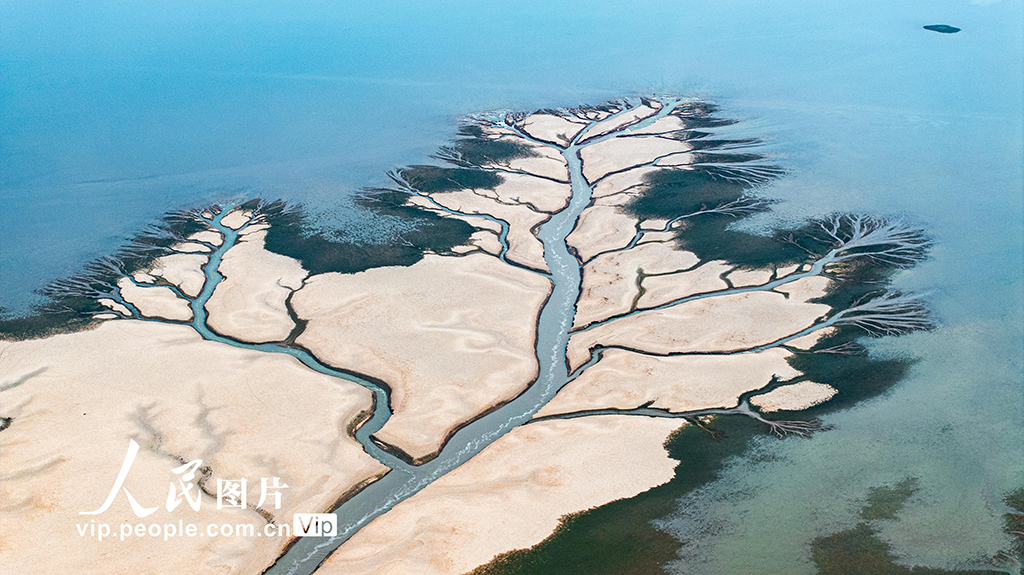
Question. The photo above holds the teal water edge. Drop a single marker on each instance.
(110, 118)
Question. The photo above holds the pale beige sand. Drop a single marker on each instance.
(662, 126)
(182, 270)
(546, 162)
(246, 414)
(808, 341)
(236, 218)
(453, 336)
(629, 182)
(211, 237)
(143, 277)
(487, 241)
(524, 247)
(551, 128)
(656, 224)
(107, 302)
(794, 397)
(106, 316)
(191, 247)
(663, 289)
(610, 281)
(620, 153)
(721, 323)
(156, 301)
(511, 496)
(623, 120)
(601, 228)
(249, 304)
(627, 380)
(545, 195)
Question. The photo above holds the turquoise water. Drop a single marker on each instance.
(111, 114)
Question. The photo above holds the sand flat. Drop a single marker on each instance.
(721, 323)
(601, 228)
(624, 119)
(546, 162)
(511, 496)
(543, 194)
(627, 380)
(610, 281)
(794, 397)
(236, 218)
(249, 304)
(246, 414)
(453, 336)
(616, 154)
(523, 246)
(182, 270)
(157, 301)
(552, 128)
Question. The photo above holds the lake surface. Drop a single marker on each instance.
(111, 115)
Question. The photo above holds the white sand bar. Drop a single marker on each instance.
(245, 414)
(552, 128)
(616, 154)
(721, 323)
(795, 397)
(236, 218)
(511, 496)
(156, 301)
(451, 336)
(250, 303)
(601, 228)
(610, 281)
(182, 270)
(626, 380)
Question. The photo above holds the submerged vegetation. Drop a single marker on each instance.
(860, 551)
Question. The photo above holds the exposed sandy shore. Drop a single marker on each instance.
(107, 302)
(610, 281)
(626, 380)
(616, 154)
(211, 237)
(546, 162)
(246, 414)
(794, 397)
(249, 304)
(182, 270)
(511, 496)
(551, 128)
(236, 218)
(156, 301)
(720, 323)
(545, 195)
(524, 247)
(624, 119)
(601, 228)
(452, 336)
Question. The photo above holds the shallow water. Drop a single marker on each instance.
(108, 118)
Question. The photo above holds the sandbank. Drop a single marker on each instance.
(453, 336)
(794, 397)
(617, 154)
(155, 301)
(246, 414)
(627, 380)
(721, 323)
(249, 304)
(511, 496)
